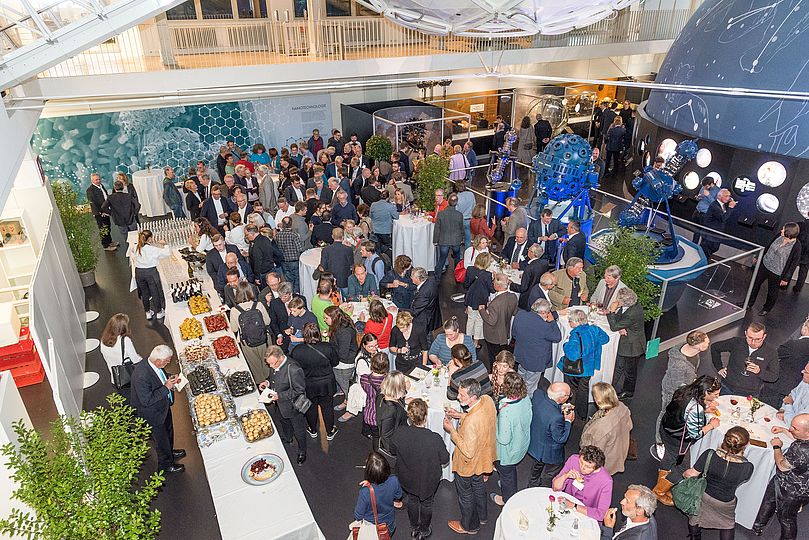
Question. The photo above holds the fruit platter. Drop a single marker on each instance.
(215, 323)
(209, 410)
(190, 328)
(196, 352)
(262, 469)
(201, 380)
(199, 305)
(240, 383)
(225, 347)
(256, 425)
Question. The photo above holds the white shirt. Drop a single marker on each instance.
(800, 402)
(150, 255)
(235, 237)
(242, 213)
(204, 243)
(468, 260)
(628, 525)
(280, 215)
(102, 189)
(112, 355)
(217, 203)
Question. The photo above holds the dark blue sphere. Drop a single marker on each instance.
(565, 168)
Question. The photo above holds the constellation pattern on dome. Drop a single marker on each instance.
(788, 117)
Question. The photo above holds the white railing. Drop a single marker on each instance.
(167, 45)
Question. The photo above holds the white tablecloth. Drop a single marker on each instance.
(750, 493)
(437, 396)
(609, 352)
(275, 510)
(360, 308)
(149, 185)
(533, 503)
(514, 275)
(414, 237)
(309, 261)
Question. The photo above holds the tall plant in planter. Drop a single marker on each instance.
(82, 482)
(633, 254)
(80, 227)
(379, 148)
(434, 174)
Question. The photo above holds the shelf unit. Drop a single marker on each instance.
(17, 264)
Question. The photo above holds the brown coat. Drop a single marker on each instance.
(610, 433)
(476, 440)
(564, 286)
(497, 318)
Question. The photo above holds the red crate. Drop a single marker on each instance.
(22, 352)
(33, 373)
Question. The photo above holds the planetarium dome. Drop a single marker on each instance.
(756, 44)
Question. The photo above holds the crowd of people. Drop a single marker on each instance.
(253, 232)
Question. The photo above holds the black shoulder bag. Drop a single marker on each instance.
(574, 367)
(122, 374)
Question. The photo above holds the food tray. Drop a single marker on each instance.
(240, 383)
(273, 460)
(201, 380)
(190, 328)
(196, 352)
(250, 433)
(215, 323)
(225, 347)
(199, 305)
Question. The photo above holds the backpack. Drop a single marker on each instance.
(251, 326)
(385, 260)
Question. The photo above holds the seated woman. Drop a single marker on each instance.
(441, 349)
(480, 244)
(462, 367)
(585, 478)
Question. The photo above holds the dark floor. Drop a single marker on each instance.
(330, 476)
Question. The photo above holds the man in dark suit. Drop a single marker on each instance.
(97, 195)
(243, 208)
(193, 199)
(637, 515)
(750, 363)
(204, 186)
(287, 382)
(715, 219)
(279, 314)
(543, 132)
(322, 232)
(547, 282)
(216, 257)
(550, 429)
(534, 268)
(420, 456)
(295, 192)
(425, 308)
(217, 208)
(339, 260)
(232, 262)
(123, 208)
(323, 191)
(516, 249)
(260, 255)
(534, 333)
(448, 234)
(152, 398)
(792, 357)
(359, 183)
(576, 243)
(625, 316)
(545, 231)
(365, 161)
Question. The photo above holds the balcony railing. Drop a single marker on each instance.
(168, 45)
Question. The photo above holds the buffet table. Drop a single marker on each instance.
(749, 494)
(413, 236)
(530, 505)
(609, 352)
(279, 507)
(149, 185)
(436, 397)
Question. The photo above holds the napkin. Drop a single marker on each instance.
(181, 382)
(264, 396)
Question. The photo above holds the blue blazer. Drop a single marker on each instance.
(535, 231)
(208, 211)
(222, 279)
(549, 430)
(534, 338)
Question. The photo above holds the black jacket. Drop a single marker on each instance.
(420, 455)
(221, 278)
(289, 372)
(279, 320)
(96, 198)
(765, 357)
(390, 416)
(631, 320)
(317, 361)
(192, 203)
(530, 277)
(123, 208)
(479, 286)
(542, 130)
(448, 229)
(208, 211)
(803, 238)
(647, 531)
(508, 251)
(715, 218)
(213, 260)
(322, 233)
(339, 260)
(575, 247)
(425, 308)
(792, 357)
(345, 344)
(261, 256)
(535, 231)
(150, 397)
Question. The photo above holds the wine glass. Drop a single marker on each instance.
(747, 362)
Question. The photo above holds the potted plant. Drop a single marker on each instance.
(433, 174)
(81, 231)
(378, 148)
(633, 254)
(82, 482)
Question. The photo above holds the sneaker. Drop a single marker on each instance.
(657, 451)
(311, 433)
(149, 315)
(111, 248)
(161, 314)
(331, 434)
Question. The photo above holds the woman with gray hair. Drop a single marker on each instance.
(625, 316)
(585, 343)
(608, 286)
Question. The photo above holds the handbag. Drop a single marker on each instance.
(362, 530)
(122, 375)
(460, 269)
(687, 493)
(574, 367)
(301, 403)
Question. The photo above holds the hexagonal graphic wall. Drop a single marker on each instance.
(71, 147)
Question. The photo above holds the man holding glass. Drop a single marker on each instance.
(750, 362)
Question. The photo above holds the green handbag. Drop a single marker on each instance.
(687, 493)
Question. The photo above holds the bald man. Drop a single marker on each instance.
(550, 429)
(232, 262)
(516, 249)
(715, 219)
(792, 478)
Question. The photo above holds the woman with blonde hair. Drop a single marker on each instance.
(408, 342)
(117, 346)
(480, 244)
(480, 284)
(148, 253)
(128, 187)
(391, 411)
(609, 427)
